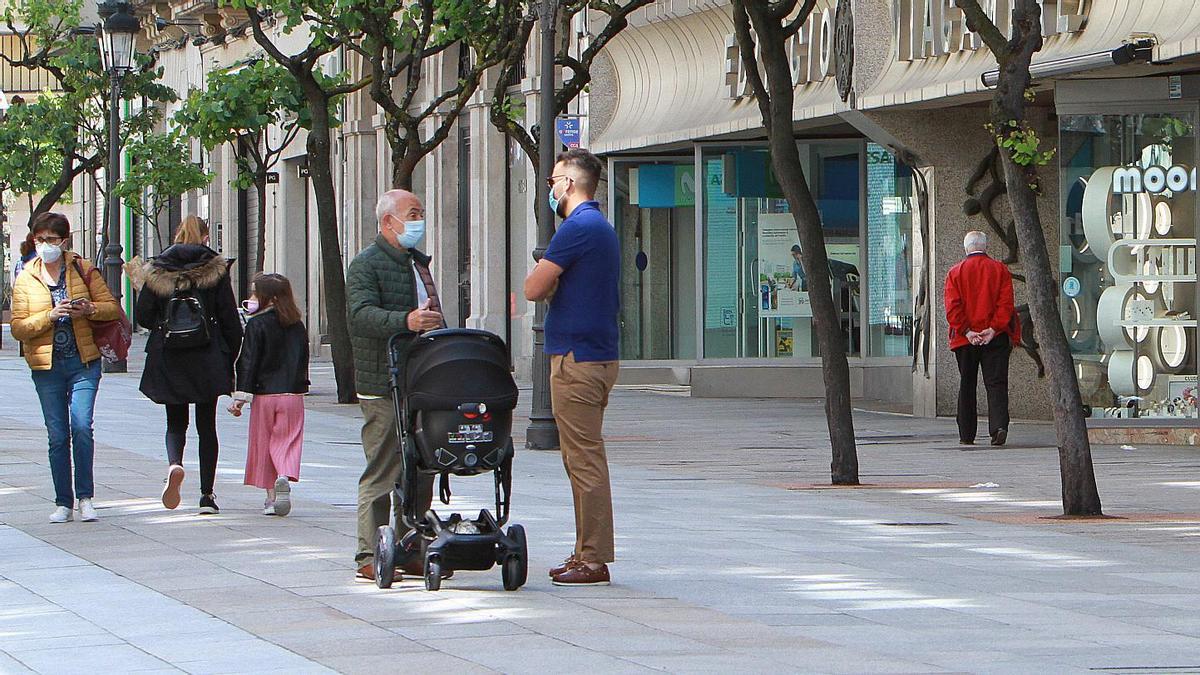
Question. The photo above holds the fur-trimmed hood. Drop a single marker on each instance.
(185, 266)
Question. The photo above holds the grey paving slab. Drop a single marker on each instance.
(374, 663)
(122, 658)
(84, 618)
(721, 566)
(10, 665)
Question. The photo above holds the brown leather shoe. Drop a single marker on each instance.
(581, 575)
(366, 575)
(563, 566)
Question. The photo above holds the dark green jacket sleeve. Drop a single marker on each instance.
(367, 315)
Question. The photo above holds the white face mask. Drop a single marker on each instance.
(49, 253)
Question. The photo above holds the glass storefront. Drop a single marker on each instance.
(892, 213)
(1127, 258)
(655, 218)
(711, 261)
(755, 285)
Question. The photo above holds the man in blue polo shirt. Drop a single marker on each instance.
(579, 274)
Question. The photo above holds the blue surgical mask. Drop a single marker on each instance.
(413, 235)
(554, 201)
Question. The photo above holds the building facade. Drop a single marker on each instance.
(901, 166)
(890, 121)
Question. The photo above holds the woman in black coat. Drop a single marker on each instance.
(176, 377)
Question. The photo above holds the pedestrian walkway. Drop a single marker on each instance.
(731, 559)
(55, 619)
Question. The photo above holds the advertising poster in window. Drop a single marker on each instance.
(721, 252)
(782, 286)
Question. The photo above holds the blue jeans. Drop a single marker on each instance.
(68, 395)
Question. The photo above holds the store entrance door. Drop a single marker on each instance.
(655, 218)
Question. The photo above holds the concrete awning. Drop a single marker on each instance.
(671, 86)
(671, 71)
(1175, 24)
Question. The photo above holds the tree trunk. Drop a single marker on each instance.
(404, 165)
(55, 193)
(835, 369)
(1080, 496)
(260, 253)
(320, 166)
(785, 157)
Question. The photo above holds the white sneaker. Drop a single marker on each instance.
(61, 514)
(283, 496)
(87, 511)
(170, 493)
(269, 509)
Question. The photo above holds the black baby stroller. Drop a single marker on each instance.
(454, 398)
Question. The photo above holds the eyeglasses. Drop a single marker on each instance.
(53, 241)
(553, 180)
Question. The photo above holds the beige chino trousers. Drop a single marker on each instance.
(579, 394)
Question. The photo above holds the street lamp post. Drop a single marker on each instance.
(543, 431)
(4, 282)
(117, 37)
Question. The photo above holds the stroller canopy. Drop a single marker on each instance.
(446, 368)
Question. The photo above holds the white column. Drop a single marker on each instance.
(489, 292)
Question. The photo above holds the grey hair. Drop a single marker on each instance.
(389, 202)
(975, 241)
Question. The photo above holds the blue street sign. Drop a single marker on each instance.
(569, 130)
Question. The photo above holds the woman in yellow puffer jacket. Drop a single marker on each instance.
(54, 302)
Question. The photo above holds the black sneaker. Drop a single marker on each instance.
(1000, 438)
(208, 506)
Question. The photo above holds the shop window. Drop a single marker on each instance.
(1127, 258)
(755, 286)
(891, 209)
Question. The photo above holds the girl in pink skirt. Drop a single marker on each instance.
(272, 374)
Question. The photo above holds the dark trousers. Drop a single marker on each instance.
(206, 429)
(992, 359)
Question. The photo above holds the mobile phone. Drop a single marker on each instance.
(78, 301)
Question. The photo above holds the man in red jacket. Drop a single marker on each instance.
(983, 331)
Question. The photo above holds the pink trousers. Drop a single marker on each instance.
(276, 439)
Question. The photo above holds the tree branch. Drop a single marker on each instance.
(779, 10)
(349, 87)
(979, 23)
(747, 48)
(797, 23)
(265, 42)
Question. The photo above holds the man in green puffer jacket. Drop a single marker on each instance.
(390, 292)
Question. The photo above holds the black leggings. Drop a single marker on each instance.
(206, 428)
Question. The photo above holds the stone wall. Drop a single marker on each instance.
(949, 144)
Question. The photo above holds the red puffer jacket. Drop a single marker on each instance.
(979, 295)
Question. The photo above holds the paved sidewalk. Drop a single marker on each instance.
(729, 559)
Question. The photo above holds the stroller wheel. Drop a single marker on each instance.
(385, 556)
(433, 574)
(516, 564)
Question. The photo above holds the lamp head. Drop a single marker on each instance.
(117, 37)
